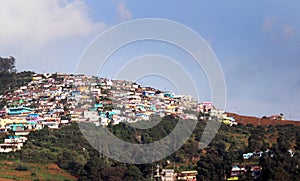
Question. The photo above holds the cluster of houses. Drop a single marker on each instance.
(12, 143)
(275, 117)
(54, 100)
(254, 170)
(248, 166)
(171, 175)
(239, 170)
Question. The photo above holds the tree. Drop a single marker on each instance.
(70, 160)
(33, 175)
(7, 64)
(93, 169)
(210, 167)
(133, 173)
(280, 174)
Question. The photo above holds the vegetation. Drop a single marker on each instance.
(17, 170)
(68, 149)
(9, 78)
(7, 64)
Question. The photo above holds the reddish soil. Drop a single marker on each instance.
(18, 174)
(260, 121)
(54, 169)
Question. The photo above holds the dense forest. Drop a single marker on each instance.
(68, 148)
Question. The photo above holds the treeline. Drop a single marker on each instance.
(7, 65)
(10, 79)
(68, 148)
(231, 143)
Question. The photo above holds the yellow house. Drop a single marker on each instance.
(4, 122)
(233, 178)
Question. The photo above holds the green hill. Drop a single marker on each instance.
(68, 149)
(12, 80)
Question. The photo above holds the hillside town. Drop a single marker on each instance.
(57, 100)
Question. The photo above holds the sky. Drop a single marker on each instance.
(256, 42)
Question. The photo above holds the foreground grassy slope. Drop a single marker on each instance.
(32, 171)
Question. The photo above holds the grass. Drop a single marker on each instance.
(48, 176)
(8, 177)
(42, 172)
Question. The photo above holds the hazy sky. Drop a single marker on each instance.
(256, 42)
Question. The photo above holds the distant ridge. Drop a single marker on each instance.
(244, 120)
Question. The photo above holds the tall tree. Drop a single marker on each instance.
(7, 64)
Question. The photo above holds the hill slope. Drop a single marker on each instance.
(68, 149)
(261, 121)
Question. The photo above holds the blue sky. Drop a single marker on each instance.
(256, 42)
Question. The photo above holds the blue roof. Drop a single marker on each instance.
(18, 110)
(33, 115)
(31, 122)
(98, 105)
(13, 136)
(15, 125)
(140, 114)
(93, 109)
(112, 113)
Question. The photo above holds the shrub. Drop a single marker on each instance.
(21, 168)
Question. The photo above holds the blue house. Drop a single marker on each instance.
(17, 127)
(168, 94)
(74, 93)
(98, 105)
(19, 110)
(149, 93)
(247, 156)
(33, 115)
(153, 107)
(13, 136)
(108, 114)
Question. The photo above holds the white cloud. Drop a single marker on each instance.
(35, 23)
(46, 35)
(123, 12)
